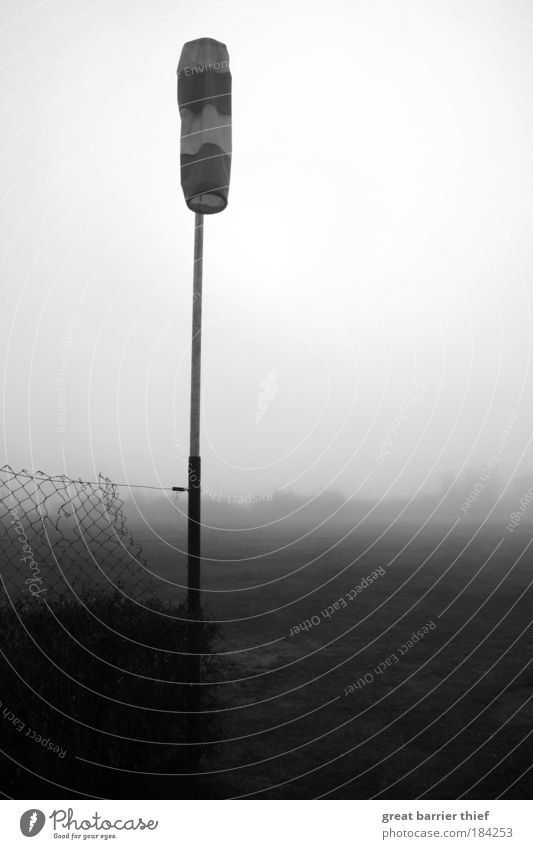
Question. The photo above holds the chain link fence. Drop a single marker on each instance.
(61, 534)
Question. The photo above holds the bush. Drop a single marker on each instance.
(104, 682)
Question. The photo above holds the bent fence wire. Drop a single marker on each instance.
(59, 533)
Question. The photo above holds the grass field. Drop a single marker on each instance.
(450, 717)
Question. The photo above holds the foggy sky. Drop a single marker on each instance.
(367, 286)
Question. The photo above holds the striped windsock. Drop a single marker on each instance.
(204, 99)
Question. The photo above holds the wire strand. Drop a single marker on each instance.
(38, 475)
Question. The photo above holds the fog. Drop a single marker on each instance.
(367, 315)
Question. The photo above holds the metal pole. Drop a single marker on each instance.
(193, 527)
(193, 583)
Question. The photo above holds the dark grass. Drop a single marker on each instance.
(450, 720)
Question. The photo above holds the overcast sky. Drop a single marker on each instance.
(369, 284)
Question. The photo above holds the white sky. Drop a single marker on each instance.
(378, 238)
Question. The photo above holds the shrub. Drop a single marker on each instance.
(106, 682)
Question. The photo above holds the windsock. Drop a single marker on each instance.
(204, 100)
